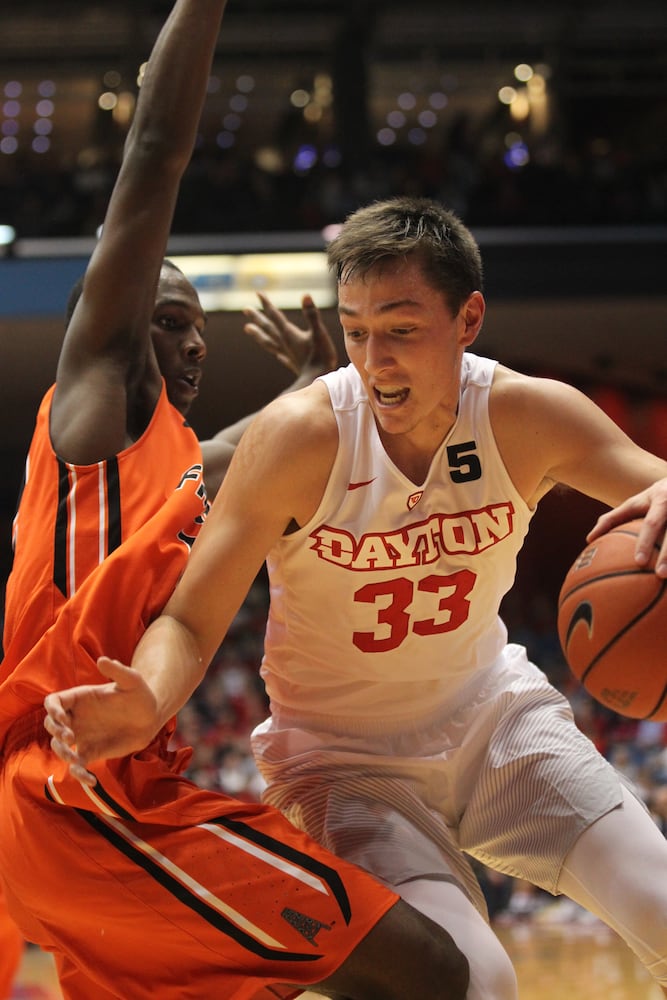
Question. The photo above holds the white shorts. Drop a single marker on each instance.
(504, 775)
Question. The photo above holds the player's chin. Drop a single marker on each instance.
(396, 418)
(181, 394)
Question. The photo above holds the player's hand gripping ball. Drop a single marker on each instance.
(612, 625)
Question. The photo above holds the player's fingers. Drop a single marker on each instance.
(259, 319)
(277, 351)
(65, 751)
(58, 730)
(310, 311)
(651, 537)
(273, 344)
(271, 312)
(661, 564)
(266, 338)
(252, 319)
(313, 317)
(324, 349)
(285, 360)
(627, 511)
(123, 677)
(83, 775)
(257, 323)
(56, 711)
(315, 321)
(70, 754)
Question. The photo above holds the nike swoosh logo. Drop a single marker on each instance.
(356, 486)
(582, 613)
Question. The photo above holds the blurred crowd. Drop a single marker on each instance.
(475, 170)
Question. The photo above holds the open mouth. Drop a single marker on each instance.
(391, 397)
(191, 379)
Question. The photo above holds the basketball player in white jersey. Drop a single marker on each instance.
(391, 499)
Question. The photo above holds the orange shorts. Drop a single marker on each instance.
(149, 886)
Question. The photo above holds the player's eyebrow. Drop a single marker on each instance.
(383, 307)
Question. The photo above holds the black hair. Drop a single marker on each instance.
(77, 289)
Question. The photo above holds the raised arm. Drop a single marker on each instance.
(107, 368)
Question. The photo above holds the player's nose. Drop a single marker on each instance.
(378, 356)
(194, 345)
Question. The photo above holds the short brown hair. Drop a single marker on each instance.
(404, 226)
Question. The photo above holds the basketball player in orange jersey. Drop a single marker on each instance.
(147, 885)
(390, 499)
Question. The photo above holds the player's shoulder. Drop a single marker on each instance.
(515, 385)
(306, 412)
(291, 443)
(525, 400)
(297, 425)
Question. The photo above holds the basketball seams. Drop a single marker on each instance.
(610, 575)
(622, 632)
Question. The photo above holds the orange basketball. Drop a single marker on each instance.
(612, 625)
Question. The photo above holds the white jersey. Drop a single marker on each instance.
(386, 603)
(404, 729)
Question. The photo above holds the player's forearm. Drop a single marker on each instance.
(174, 84)
(170, 662)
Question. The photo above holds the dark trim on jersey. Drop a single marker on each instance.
(328, 875)
(187, 897)
(114, 525)
(115, 807)
(114, 528)
(60, 533)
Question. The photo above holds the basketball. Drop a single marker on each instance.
(612, 626)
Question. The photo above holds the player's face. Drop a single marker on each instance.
(177, 328)
(406, 344)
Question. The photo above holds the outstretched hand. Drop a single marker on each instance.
(294, 347)
(651, 506)
(101, 721)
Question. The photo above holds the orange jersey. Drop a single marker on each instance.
(71, 519)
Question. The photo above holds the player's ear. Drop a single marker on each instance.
(472, 315)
